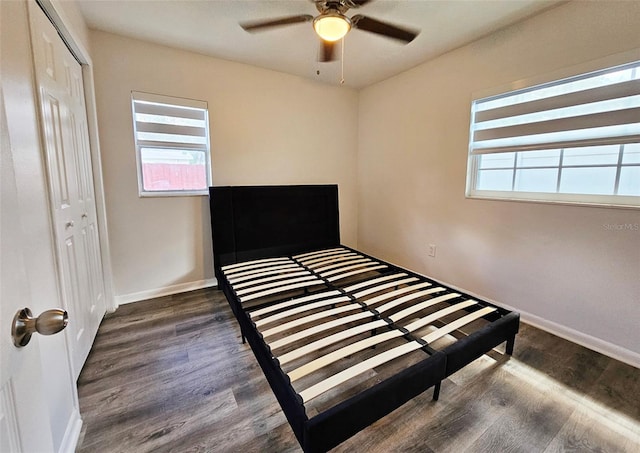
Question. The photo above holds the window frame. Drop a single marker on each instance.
(615, 201)
(205, 148)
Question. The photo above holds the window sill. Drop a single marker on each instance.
(566, 200)
(160, 194)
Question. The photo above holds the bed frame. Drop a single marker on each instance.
(375, 334)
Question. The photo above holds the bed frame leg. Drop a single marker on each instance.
(510, 344)
(436, 391)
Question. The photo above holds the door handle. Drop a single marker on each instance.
(24, 324)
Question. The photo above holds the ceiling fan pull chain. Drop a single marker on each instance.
(342, 63)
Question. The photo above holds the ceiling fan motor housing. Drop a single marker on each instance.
(341, 6)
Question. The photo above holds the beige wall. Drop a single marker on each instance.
(266, 128)
(559, 265)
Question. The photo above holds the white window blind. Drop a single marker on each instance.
(577, 136)
(595, 109)
(172, 144)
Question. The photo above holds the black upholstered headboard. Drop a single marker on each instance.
(252, 222)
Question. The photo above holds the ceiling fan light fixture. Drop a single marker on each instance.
(332, 26)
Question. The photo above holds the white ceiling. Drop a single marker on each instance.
(211, 27)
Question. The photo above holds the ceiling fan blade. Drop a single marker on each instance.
(327, 50)
(289, 20)
(382, 28)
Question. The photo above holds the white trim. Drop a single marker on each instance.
(567, 199)
(59, 20)
(596, 344)
(72, 434)
(9, 416)
(165, 291)
(164, 99)
(98, 185)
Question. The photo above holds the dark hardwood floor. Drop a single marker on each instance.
(171, 375)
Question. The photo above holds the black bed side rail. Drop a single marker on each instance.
(280, 383)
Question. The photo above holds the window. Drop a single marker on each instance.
(574, 140)
(172, 145)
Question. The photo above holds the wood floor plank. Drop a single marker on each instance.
(587, 432)
(532, 408)
(171, 375)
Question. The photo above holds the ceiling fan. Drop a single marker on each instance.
(332, 24)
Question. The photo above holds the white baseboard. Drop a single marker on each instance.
(588, 341)
(72, 433)
(165, 291)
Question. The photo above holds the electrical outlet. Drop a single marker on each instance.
(432, 250)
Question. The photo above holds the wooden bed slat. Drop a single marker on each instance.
(343, 376)
(397, 292)
(331, 339)
(253, 262)
(348, 267)
(301, 309)
(265, 265)
(384, 286)
(454, 325)
(310, 318)
(262, 273)
(265, 268)
(293, 302)
(356, 272)
(437, 315)
(373, 281)
(320, 328)
(281, 289)
(355, 260)
(401, 300)
(305, 256)
(271, 279)
(285, 281)
(341, 353)
(312, 264)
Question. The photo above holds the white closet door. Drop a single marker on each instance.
(68, 157)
